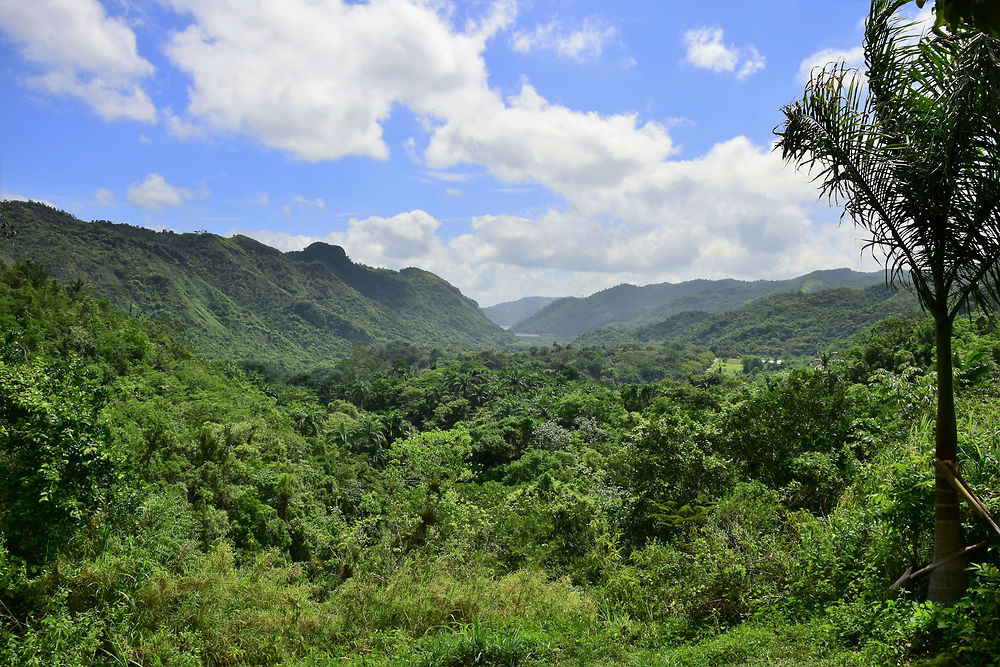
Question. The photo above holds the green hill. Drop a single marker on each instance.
(630, 306)
(238, 299)
(789, 325)
(510, 313)
(498, 508)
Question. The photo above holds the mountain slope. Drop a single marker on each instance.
(631, 306)
(238, 298)
(511, 312)
(784, 326)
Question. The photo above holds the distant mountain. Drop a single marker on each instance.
(630, 306)
(785, 326)
(237, 298)
(511, 312)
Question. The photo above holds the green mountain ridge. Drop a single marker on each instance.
(237, 298)
(626, 306)
(783, 325)
(510, 313)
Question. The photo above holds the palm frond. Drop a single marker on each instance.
(912, 152)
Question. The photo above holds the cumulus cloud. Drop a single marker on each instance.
(317, 79)
(734, 212)
(852, 58)
(391, 242)
(705, 49)
(920, 22)
(581, 45)
(530, 140)
(181, 128)
(81, 52)
(154, 193)
(753, 62)
(298, 201)
(104, 197)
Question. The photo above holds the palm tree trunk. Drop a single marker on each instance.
(947, 583)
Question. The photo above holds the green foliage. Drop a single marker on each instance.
(472, 645)
(238, 299)
(957, 15)
(510, 313)
(403, 506)
(58, 467)
(793, 432)
(626, 306)
(781, 326)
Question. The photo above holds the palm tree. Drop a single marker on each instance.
(911, 149)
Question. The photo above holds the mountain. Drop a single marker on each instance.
(237, 298)
(511, 312)
(787, 325)
(630, 306)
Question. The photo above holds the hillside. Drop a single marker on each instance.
(790, 325)
(627, 306)
(510, 313)
(237, 298)
(492, 509)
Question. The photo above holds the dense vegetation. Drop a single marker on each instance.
(793, 325)
(239, 299)
(911, 155)
(546, 506)
(511, 312)
(630, 306)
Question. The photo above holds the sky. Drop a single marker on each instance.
(515, 148)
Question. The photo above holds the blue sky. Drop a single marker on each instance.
(514, 148)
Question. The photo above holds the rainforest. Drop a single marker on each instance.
(546, 505)
(216, 451)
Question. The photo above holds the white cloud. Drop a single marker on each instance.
(452, 177)
(155, 193)
(298, 201)
(581, 45)
(410, 148)
(376, 240)
(734, 212)
(753, 62)
(921, 21)
(453, 192)
(104, 197)
(7, 195)
(705, 49)
(530, 140)
(82, 53)
(317, 79)
(853, 57)
(182, 128)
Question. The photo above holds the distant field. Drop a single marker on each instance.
(729, 366)
(732, 366)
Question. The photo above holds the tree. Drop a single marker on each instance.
(983, 15)
(911, 149)
(58, 466)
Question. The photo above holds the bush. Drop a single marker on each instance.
(58, 467)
